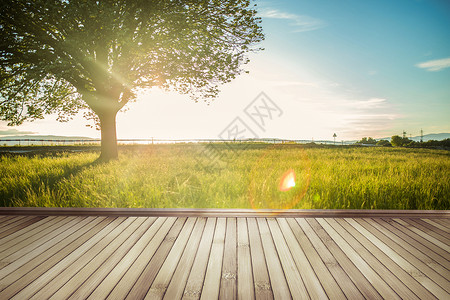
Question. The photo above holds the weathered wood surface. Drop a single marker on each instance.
(197, 257)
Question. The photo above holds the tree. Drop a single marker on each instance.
(383, 143)
(367, 141)
(63, 56)
(398, 141)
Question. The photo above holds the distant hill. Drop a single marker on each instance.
(44, 137)
(11, 140)
(426, 137)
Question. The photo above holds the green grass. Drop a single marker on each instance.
(179, 176)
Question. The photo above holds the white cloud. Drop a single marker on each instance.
(294, 83)
(368, 104)
(435, 65)
(301, 23)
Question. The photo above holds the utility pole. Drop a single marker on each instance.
(334, 137)
(421, 135)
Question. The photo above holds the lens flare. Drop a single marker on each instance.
(287, 181)
(268, 190)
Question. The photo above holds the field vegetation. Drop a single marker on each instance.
(245, 176)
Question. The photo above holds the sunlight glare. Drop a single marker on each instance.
(287, 181)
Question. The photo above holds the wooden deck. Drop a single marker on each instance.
(210, 254)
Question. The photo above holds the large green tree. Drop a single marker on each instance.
(63, 56)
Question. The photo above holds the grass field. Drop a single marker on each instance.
(246, 176)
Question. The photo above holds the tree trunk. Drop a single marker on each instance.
(109, 137)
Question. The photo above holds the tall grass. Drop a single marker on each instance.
(176, 176)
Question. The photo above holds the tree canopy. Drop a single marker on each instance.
(367, 141)
(399, 141)
(62, 56)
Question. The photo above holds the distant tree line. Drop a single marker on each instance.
(398, 141)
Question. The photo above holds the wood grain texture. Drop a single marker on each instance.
(176, 287)
(245, 275)
(411, 260)
(277, 277)
(194, 284)
(213, 276)
(321, 284)
(208, 212)
(228, 257)
(228, 283)
(261, 281)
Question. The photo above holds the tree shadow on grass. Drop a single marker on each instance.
(17, 193)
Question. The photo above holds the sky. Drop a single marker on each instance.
(351, 68)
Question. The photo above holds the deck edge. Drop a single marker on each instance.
(202, 212)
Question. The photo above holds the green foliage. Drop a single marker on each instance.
(398, 141)
(383, 143)
(367, 141)
(171, 176)
(432, 143)
(60, 56)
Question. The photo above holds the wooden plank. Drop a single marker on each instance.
(38, 288)
(263, 289)
(376, 281)
(433, 260)
(4, 218)
(128, 280)
(430, 229)
(19, 262)
(162, 280)
(280, 287)
(19, 233)
(443, 222)
(407, 252)
(437, 225)
(178, 283)
(310, 279)
(325, 246)
(428, 235)
(110, 281)
(34, 239)
(27, 234)
(8, 220)
(57, 230)
(409, 275)
(415, 257)
(211, 284)
(194, 284)
(368, 252)
(329, 284)
(106, 238)
(228, 284)
(208, 212)
(108, 259)
(60, 247)
(244, 265)
(84, 272)
(14, 222)
(294, 278)
(19, 225)
(147, 276)
(417, 241)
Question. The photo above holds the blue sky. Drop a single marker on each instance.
(354, 68)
